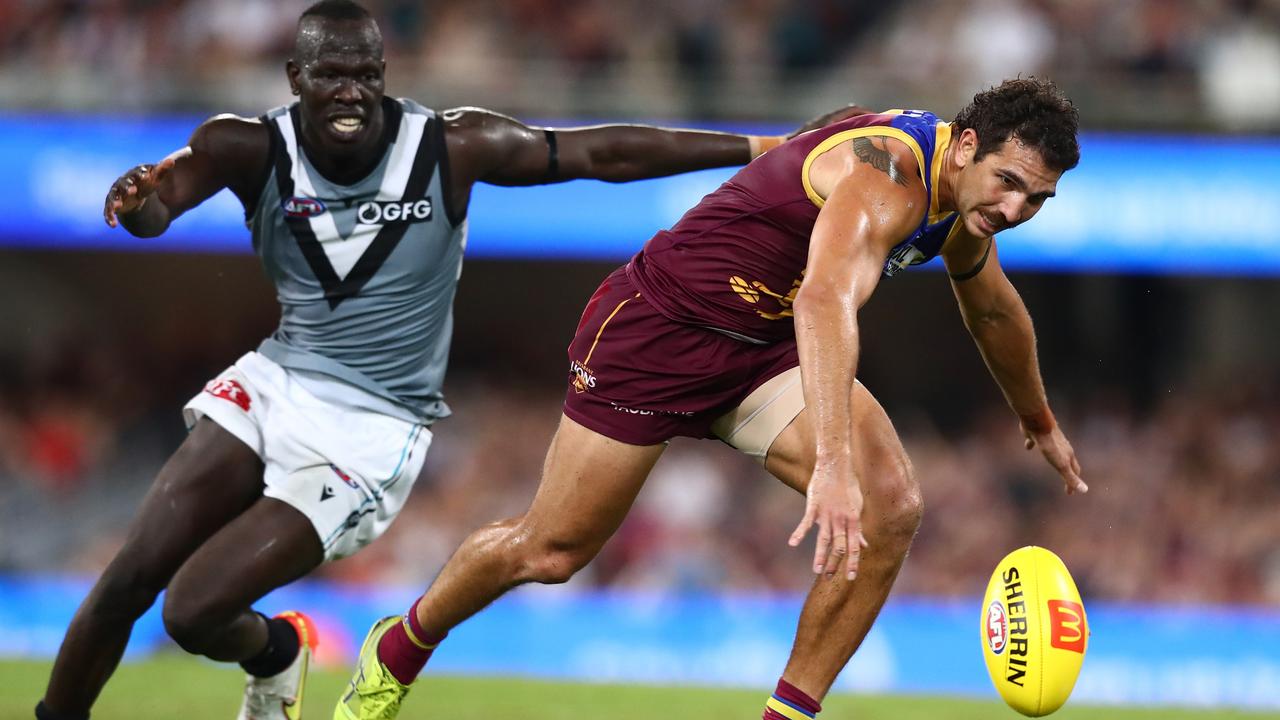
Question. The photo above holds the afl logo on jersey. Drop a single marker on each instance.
(389, 211)
(901, 257)
(302, 207)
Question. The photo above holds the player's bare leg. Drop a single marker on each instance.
(211, 480)
(589, 483)
(838, 613)
(206, 607)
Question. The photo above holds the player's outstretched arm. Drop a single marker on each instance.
(220, 153)
(866, 211)
(504, 151)
(1001, 326)
(500, 150)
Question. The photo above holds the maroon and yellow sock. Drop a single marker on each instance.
(789, 702)
(405, 648)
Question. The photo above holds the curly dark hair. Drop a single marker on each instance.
(1030, 109)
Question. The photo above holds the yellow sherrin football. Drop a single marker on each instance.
(1034, 631)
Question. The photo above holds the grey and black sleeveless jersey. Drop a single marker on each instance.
(365, 273)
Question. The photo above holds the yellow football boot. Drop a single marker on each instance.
(373, 693)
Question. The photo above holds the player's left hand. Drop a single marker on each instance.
(1055, 448)
(833, 502)
(826, 119)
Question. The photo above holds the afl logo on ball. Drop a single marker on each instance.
(303, 207)
(997, 627)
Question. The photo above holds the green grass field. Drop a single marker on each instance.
(180, 688)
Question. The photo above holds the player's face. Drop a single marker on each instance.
(1004, 189)
(339, 78)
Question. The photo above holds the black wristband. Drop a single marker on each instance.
(961, 277)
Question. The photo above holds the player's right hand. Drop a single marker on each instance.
(131, 190)
(1058, 452)
(833, 502)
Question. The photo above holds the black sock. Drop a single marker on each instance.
(282, 647)
(44, 713)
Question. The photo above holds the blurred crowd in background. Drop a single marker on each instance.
(1177, 509)
(1166, 63)
(1182, 506)
(1185, 485)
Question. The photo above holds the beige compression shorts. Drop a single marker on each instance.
(763, 415)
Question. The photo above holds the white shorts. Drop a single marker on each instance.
(348, 468)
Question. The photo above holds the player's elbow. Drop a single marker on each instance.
(982, 322)
(144, 232)
(149, 221)
(810, 299)
(976, 324)
(817, 300)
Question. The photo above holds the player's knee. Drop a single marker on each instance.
(556, 567)
(904, 504)
(554, 562)
(189, 621)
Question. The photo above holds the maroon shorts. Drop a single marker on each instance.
(642, 379)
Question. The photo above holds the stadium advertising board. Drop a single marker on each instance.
(1138, 655)
(1137, 203)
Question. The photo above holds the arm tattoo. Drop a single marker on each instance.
(879, 158)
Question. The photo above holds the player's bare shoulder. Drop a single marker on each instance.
(882, 164)
(481, 142)
(231, 138)
(237, 149)
(890, 156)
(469, 120)
(480, 131)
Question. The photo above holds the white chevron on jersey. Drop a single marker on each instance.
(344, 252)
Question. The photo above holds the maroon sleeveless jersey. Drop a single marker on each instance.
(735, 261)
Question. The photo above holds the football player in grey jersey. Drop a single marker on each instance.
(247, 503)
